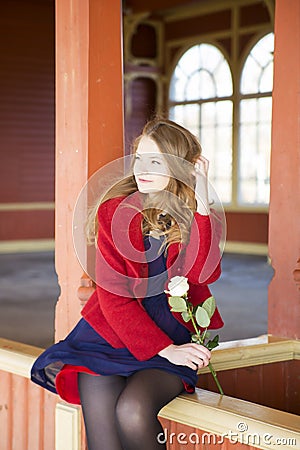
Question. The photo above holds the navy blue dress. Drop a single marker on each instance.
(85, 348)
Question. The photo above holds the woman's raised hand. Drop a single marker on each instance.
(201, 187)
(191, 355)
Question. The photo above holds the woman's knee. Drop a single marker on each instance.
(132, 413)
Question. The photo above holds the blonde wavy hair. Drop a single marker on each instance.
(177, 199)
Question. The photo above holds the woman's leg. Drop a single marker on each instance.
(146, 392)
(99, 395)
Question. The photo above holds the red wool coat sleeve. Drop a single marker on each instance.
(199, 259)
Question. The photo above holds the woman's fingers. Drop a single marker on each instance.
(195, 363)
(200, 355)
(200, 348)
(197, 356)
(191, 355)
(202, 165)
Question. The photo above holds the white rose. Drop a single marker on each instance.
(178, 286)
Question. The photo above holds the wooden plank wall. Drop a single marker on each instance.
(27, 414)
(140, 105)
(27, 120)
(275, 385)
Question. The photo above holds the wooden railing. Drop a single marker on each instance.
(33, 419)
(206, 418)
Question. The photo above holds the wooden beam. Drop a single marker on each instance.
(89, 123)
(284, 230)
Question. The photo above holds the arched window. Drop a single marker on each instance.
(200, 98)
(255, 124)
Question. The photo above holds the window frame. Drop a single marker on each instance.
(236, 66)
(240, 97)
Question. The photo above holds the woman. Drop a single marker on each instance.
(130, 355)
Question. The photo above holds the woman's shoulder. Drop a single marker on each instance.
(132, 200)
(112, 202)
(108, 207)
(119, 207)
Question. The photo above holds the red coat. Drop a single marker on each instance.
(115, 309)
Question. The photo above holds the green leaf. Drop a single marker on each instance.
(185, 315)
(214, 343)
(178, 304)
(202, 317)
(209, 305)
(216, 339)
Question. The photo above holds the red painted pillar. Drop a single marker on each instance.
(89, 123)
(284, 232)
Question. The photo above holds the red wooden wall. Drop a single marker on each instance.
(275, 385)
(26, 414)
(247, 226)
(26, 117)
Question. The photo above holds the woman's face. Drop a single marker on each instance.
(150, 168)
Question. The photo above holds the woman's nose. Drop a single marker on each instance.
(141, 166)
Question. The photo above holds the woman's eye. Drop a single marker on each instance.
(154, 161)
(136, 157)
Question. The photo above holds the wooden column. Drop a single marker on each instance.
(89, 123)
(284, 232)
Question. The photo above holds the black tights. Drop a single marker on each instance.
(121, 413)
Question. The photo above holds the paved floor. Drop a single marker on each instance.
(29, 291)
(242, 296)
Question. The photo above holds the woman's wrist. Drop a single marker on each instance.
(203, 204)
(165, 351)
(203, 207)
